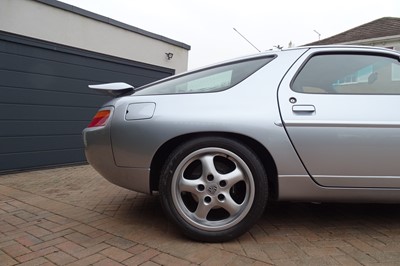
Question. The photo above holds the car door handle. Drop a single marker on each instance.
(303, 108)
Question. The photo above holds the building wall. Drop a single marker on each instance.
(65, 24)
(45, 102)
(392, 42)
(49, 53)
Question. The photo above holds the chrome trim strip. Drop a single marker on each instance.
(372, 124)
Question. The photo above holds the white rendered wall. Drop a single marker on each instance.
(41, 21)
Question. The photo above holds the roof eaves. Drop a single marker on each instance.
(373, 40)
(359, 33)
(94, 16)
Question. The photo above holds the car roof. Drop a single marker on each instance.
(313, 47)
(322, 48)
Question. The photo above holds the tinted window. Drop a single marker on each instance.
(349, 74)
(209, 80)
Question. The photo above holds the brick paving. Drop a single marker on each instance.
(72, 216)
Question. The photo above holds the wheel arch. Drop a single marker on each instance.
(263, 154)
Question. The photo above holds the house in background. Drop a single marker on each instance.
(383, 32)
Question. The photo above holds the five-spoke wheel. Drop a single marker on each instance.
(214, 188)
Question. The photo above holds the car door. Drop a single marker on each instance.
(341, 110)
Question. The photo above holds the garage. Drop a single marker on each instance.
(47, 61)
(45, 102)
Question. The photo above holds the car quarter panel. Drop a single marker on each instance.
(98, 151)
(250, 108)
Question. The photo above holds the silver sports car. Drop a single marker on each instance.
(218, 143)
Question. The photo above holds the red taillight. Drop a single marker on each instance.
(100, 119)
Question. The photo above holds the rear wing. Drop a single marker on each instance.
(116, 89)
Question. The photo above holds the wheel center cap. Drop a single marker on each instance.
(212, 189)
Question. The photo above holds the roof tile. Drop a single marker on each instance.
(383, 27)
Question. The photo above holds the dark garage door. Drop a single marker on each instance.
(45, 102)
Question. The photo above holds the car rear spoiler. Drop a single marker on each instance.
(115, 89)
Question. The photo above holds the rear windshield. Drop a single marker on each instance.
(208, 80)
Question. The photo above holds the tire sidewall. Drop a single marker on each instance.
(259, 179)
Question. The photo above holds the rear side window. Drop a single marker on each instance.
(349, 74)
(208, 80)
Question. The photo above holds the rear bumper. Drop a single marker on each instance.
(136, 179)
(99, 154)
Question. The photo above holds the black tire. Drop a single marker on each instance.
(213, 188)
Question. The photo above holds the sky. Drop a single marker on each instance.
(208, 25)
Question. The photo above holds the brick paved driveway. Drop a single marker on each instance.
(72, 216)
